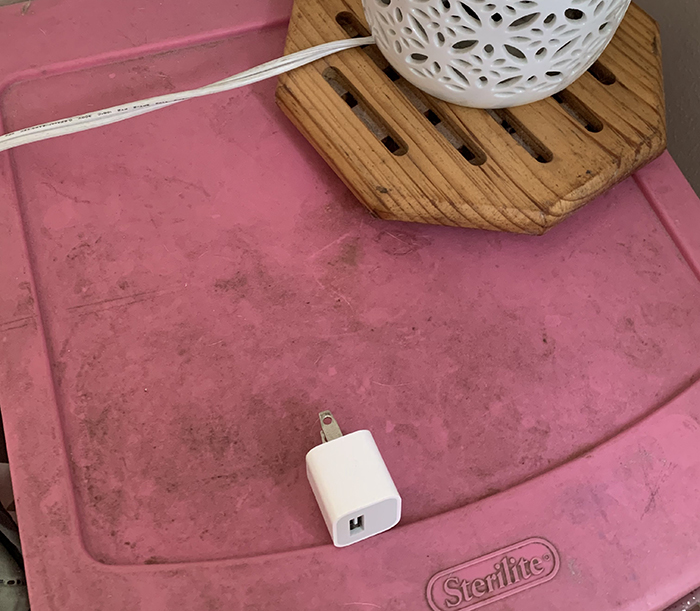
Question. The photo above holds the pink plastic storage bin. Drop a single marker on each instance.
(183, 293)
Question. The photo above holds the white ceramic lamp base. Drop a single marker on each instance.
(493, 53)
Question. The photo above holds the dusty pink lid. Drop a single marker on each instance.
(184, 292)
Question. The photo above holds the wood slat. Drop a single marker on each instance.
(502, 187)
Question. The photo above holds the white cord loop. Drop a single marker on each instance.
(115, 114)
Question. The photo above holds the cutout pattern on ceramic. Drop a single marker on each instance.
(493, 53)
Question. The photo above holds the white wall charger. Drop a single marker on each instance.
(353, 487)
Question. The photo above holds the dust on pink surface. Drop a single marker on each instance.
(208, 285)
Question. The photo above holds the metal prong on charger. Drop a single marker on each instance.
(329, 427)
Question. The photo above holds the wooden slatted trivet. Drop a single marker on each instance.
(410, 157)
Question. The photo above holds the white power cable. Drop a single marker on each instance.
(115, 114)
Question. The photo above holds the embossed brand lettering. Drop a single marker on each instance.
(493, 577)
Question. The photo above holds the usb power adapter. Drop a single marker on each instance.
(353, 488)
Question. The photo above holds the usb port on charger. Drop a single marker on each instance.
(357, 525)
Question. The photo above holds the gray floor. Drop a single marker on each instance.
(680, 23)
(688, 603)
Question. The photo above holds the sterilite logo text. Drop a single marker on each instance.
(493, 577)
